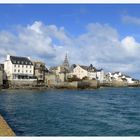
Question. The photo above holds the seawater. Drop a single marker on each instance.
(101, 112)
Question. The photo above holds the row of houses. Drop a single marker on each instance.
(65, 72)
(22, 70)
(118, 76)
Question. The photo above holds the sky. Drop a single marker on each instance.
(105, 35)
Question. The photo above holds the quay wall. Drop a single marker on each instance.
(68, 85)
(22, 83)
(78, 84)
(5, 129)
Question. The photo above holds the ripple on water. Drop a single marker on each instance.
(102, 112)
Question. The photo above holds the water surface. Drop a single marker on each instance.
(101, 112)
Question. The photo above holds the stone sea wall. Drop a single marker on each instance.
(93, 84)
(22, 83)
(84, 84)
(5, 129)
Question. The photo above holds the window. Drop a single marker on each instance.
(15, 70)
(26, 66)
(30, 66)
(30, 71)
(22, 66)
(18, 65)
(18, 70)
(15, 65)
(26, 71)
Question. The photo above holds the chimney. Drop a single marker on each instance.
(8, 57)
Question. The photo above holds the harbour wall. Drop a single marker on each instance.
(5, 129)
(78, 84)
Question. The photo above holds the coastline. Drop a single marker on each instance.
(5, 129)
(54, 88)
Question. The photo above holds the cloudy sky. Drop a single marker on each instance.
(108, 36)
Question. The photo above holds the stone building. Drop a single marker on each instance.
(61, 71)
(39, 71)
(50, 79)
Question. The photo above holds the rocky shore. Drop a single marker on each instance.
(5, 129)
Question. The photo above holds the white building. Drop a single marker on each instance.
(129, 79)
(121, 77)
(88, 71)
(100, 75)
(80, 71)
(18, 68)
(116, 75)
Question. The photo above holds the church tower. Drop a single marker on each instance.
(66, 62)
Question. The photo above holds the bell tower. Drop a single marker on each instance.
(66, 62)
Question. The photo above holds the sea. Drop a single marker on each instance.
(99, 112)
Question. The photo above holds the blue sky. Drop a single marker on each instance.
(73, 17)
(106, 35)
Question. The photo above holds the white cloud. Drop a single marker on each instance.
(99, 45)
(36, 27)
(132, 47)
(131, 20)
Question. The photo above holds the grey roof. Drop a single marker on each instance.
(84, 67)
(99, 69)
(134, 79)
(20, 60)
(47, 70)
(127, 76)
(124, 79)
(72, 67)
(90, 69)
(117, 72)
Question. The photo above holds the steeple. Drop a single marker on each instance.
(66, 62)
